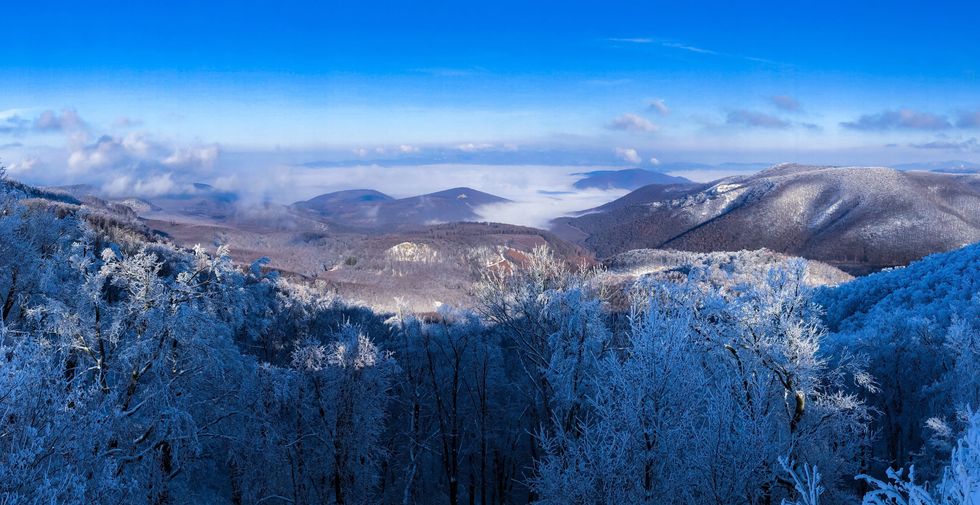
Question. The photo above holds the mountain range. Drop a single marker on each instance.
(369, 209)
(859, 219)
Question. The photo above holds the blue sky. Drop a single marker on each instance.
(587, 83)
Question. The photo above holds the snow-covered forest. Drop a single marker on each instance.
(135, 372)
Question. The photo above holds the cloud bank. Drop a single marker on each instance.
(968, 145)
(899, 119)
(134, 164)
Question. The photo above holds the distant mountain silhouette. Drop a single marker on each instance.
(949, 167)
(371, 209)
(630, 178)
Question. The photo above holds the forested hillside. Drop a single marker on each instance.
(132, 371)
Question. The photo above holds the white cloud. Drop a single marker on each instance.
(539, 192)
(138, 152)
(226, 183)
(138, 145)
(154, 185)
(632, 122)
(132, 164)
(364, 152)
(539, 210)
(654, 161)
(24, 166)
(106, 152)
(472, 148)
(627, 154)
(192, 157)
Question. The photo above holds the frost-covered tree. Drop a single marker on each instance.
(455, 417)
(315, 434)
(132, 371)
(959, 483)
(124, 377)
(552, 319)
(704, 398)
(916, 328)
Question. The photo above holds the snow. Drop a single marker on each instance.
(132, 371)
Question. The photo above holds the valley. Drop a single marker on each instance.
(854, 219)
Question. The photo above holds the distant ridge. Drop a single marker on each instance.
(326, 202)
(629, 178)
(371, 209)
(949, 167)
(859, 219)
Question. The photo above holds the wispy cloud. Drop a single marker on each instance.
(968, 145)
(711, 52)
(786, 103)
(14, 125)
(632, 122)
(453, 72)
(126, 122)
(682, 46)
(67, 121)
(755, 119)
(662, 43)
(659, 106)
(693, 49)
(907, 119)
(970, 119)
(24, 166)
(608, 82)
(632, 40)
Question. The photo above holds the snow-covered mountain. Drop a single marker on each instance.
(860, 219)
